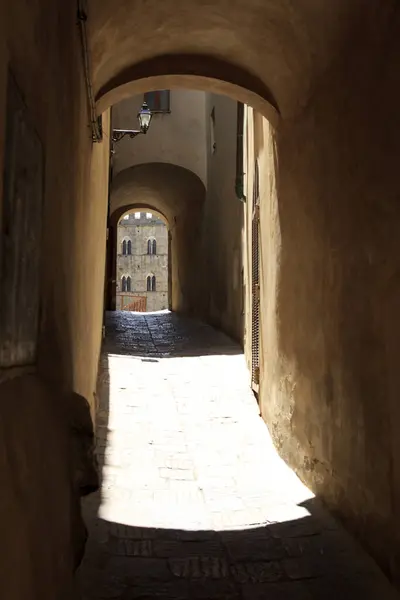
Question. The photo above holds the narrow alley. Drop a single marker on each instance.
(195, 502)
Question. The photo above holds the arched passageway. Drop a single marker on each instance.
(327, 79)
(264, 54)
(146, 266)
(178, 195)
(326, 241)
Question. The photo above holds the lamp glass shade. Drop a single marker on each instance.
(144, 116)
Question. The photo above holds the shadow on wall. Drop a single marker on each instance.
(46, 450)
(339, 320)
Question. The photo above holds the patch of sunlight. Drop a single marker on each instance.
(187, 449)
(164, 311)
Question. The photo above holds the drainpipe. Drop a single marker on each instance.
(239, 183)
(110, 241)
(95, 121)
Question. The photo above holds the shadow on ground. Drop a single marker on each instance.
(164, 334)
(194, 502)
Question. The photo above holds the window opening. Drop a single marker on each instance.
(158, 101)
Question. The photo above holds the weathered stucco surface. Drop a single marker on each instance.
(274, 49)
(45, 431)
(333, 376)
(329, 287)
(328, 79)
(40, 513)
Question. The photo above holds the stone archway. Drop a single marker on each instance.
(171, 72)
(321, 78)
(330, 73)
(266, 54)
(177, 195)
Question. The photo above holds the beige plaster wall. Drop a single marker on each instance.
(39, 511)
(222, 222)
(176, 138)
(330, 287)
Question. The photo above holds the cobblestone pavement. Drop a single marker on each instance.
(195, 503)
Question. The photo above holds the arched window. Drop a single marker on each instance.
(126, 247)
(123, 284)
(128, 284)
(151, 246)
(151, 283)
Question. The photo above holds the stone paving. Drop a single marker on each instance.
(195, 503)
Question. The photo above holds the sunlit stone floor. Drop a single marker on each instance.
(195, 502)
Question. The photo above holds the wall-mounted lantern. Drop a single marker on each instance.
(144, 118)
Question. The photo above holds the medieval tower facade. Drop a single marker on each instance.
(142, 263)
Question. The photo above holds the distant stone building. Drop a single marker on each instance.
(142, 263)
